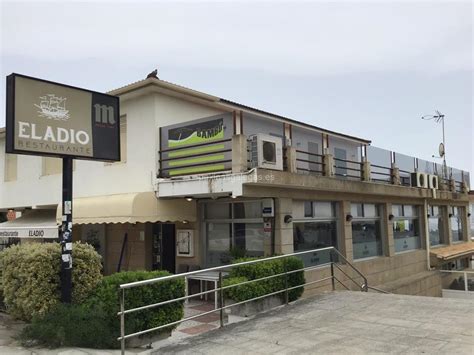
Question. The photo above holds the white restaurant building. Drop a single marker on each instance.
(203, 178)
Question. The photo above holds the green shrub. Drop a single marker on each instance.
(70, 325)
(243, 273)
(31, 276)
(95, 323)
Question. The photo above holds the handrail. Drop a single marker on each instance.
(378, 290)
(220, 289)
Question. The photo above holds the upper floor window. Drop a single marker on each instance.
(11, 167)
(406, 228)
(366, 230)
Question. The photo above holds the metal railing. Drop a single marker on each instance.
(341, 165)
(463, 283)
(314, 166)
(334, 257)
(383, 174)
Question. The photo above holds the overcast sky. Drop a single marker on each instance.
(369, 69)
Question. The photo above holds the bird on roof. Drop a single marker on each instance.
(153, 74)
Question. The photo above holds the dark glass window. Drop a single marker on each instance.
(406, 228)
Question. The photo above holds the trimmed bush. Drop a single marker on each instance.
(31, 276)
(95, 323)
(259, 288)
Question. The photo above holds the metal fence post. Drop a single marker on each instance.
(122, 321)
(221, 300)
(286, 282)
(332, 272)
(465, 282)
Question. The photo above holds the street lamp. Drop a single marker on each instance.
(439, 117)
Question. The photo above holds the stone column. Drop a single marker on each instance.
(366, 171)
(328, 160)
(395, 171)
(387, 226)
(239, 153)
(447, 226)
(290, 158)
(283, 231)
(346, 231)
(452, 185)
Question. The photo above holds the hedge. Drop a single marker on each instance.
(31, 276)
(248, 272)
(95, 324)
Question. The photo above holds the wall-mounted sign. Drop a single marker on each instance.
(185, 242)
(198, 146)
(52, 119)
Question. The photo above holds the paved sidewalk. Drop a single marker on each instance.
(346, 323)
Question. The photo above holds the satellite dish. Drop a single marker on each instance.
(441, 150)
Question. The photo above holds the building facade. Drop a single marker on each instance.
(204, 180)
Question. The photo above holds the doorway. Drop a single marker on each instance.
(164, 247)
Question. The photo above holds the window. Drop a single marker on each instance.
(435, 225)
(406, 228)
(52, 166)
(314, 229)
(11, 167)
(232, 229)
(456, 223)
(366, 230)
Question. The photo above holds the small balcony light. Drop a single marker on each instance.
(188, 198)
(233, 196)
(288, 219)
(391, 217)
(184, 221)
(349, 218)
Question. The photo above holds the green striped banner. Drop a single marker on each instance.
(196, 160)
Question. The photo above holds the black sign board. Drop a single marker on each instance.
(52, 119)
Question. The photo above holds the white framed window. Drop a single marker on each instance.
(315, 227)
(366, 230)
(406, 227)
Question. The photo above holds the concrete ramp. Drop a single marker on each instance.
(345, 323)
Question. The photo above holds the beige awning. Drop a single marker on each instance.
(451, 252)
(37, 224)
(130, 208)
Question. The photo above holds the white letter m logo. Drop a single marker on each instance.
(104, 114)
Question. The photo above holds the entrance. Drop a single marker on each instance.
(164, 247)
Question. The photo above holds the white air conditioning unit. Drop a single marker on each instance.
(419, 180)
(433, 182)
(266, 152)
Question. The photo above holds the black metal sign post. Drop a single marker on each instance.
(66, 232)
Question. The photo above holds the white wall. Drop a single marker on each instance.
(144, 116)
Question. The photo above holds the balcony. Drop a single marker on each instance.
(222, 167)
